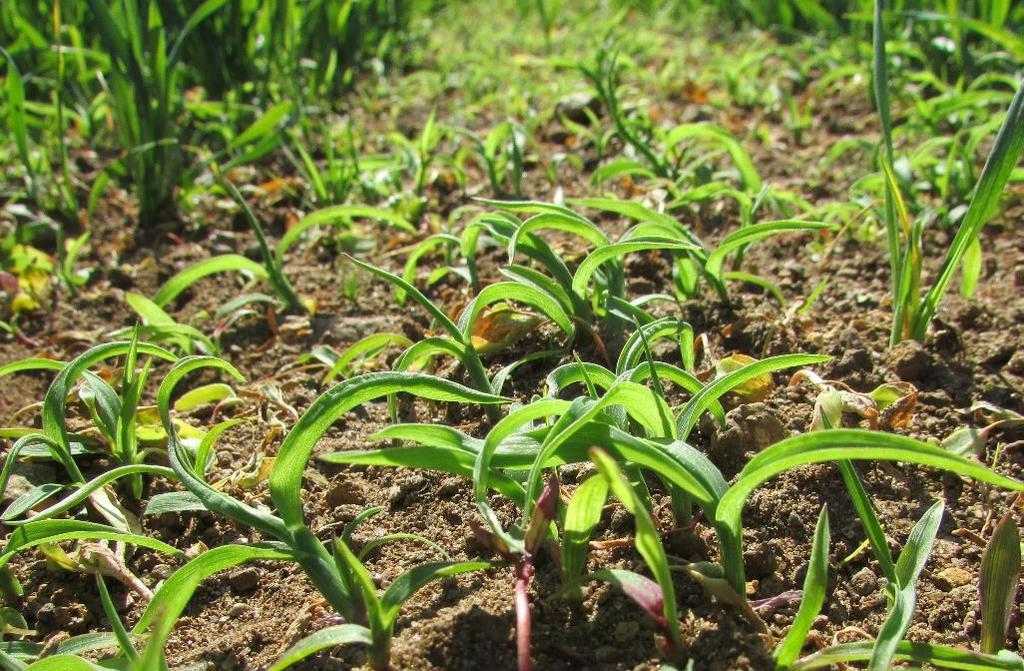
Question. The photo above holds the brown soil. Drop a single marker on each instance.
(245, 618)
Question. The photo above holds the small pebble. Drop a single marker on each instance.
(951, 577)
(864, 582)
(161, 572)
(245, 580)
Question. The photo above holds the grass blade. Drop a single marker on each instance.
(581, 517)
(942, 656)
(329, 637)
(1000, 570)
(823, 447)
(813, 597)
(648, 543)
(1003, 158)
(52, 531)
(908, 567)
(293, 456)
(173, 287)
(704, 398)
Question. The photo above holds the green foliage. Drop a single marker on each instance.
(912, 311)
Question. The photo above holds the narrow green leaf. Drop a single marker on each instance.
(581, 517)
(815, 583)
(51, 531)
(748, 234)
(216, 264)
(826, 446)
(407, 584)
(171, 598)
(1003, 158)
(942, 656)
(293, 456)
(339, 215)
(997, 587)
(647, 541)
(703, 399)
(31, 364)
(329, 637)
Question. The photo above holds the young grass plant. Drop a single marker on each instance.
(343, 586)
(703, 261)
(115, 416)
(145, 95)
(997, 585)
(912, 311)
(813, 596)
(271, 268)
(594, 421)
(464, 339)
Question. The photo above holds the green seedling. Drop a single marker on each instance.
(902, 595)
(501, 155)
(381, 612)
(912, 311)
(272, 267)
(144, 92)
(463, 339)
(444, 449)
(815, 585)
(418, 156)
(702, 261)
(116, 418)
(648, 596)
(997, 585)
(332, 575)
(159, 327)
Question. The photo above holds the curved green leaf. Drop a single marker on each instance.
(216, 264)
(51, 531)
(339, 215)
(702, 400)
(293, 456)
(330, 637)
(748, 234)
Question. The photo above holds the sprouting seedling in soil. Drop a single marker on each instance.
(596, 290)
(582, 515)
(702, 261)
(271, 268)
(902, 595)
(521, 556)
(888, 406)
(912, 311)
(463, 339)
(115, 417)
(330, 574)
(501, 154)
(658, 599)
(658, 148)
(815, 584)
(144, 96)
(418, 155)
(997, 584)
(157, 326)
(380, 612)
(345, 362)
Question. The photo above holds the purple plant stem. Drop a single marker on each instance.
(524, 572)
